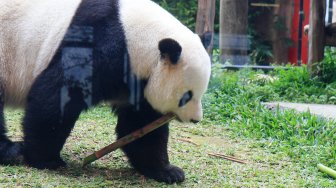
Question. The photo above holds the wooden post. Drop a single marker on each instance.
(316, 32)
(205, 20)
(234, 42)
(282, 32)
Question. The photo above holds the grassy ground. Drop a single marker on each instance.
(282, 148)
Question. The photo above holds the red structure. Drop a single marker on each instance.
(293, 55)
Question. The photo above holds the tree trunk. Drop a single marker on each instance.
(316, 32)
(205, 21)
(234, 42)
(282, 30)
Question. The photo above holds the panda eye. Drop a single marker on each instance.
(186, 98)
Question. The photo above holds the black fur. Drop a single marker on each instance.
(44, 129)
(48, 122)
(2, 120)
(171, 49)
(206, 38)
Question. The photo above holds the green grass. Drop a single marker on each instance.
(235, 101)
(282, 147)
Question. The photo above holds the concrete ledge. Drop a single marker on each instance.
(323, 110)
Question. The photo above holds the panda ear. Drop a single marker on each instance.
(170, 49)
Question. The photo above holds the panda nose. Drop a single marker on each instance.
(194, 121)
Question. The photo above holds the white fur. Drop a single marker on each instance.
(145, 24)
(30, 33)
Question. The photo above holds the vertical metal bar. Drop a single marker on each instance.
(330, 10)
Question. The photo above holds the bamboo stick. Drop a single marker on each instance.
(129, 138)
(327, 170)
(228, 158)
(188, 140)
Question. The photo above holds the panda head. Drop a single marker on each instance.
(180, 78)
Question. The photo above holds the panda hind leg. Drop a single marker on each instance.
(45, 134)
(47, 123)
(10, 152)
(148, 155)
(43, 137)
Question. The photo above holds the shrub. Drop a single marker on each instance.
(326, 69)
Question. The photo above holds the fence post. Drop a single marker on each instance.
(316, 32)
(233, 39)
(205, 20)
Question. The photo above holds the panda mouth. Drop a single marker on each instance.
(191, 121)
(181, 121)
(178, 119)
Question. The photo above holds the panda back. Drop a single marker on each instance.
(30, 33)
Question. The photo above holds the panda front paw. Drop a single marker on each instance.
(51, 165)
(11, 152)
(170, 174)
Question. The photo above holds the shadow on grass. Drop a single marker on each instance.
(111, 173)
(74, 171)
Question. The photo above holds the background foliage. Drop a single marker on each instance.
(326, 70)
(185, 11)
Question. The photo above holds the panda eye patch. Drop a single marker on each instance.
(186, 98)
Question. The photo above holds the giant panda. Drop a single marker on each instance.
(60, 57)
